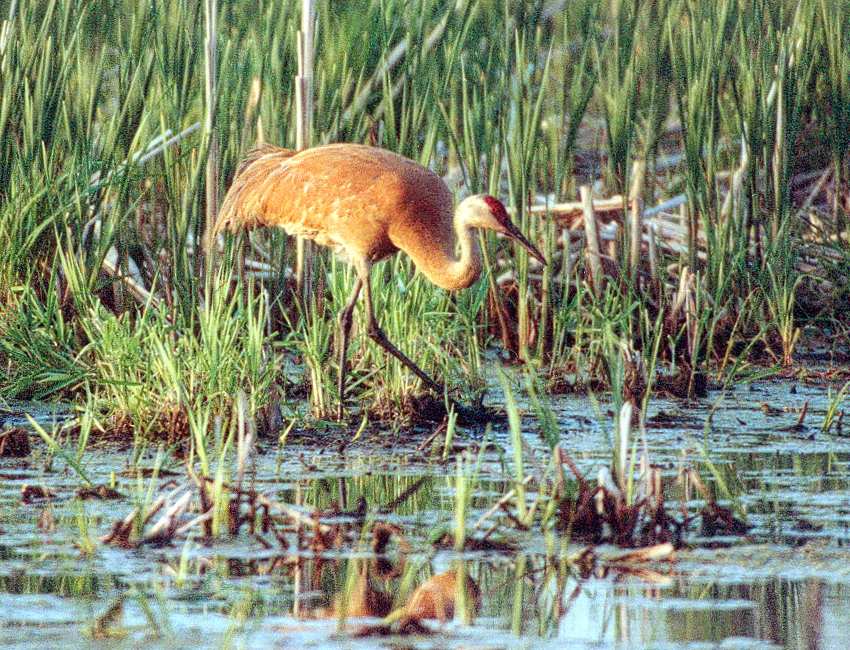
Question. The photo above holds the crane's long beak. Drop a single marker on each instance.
(512, 231)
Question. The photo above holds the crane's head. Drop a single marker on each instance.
(488, 212)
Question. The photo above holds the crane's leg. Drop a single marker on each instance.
(346, 318)
(377, 335)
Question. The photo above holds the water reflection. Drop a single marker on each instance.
(787, 585)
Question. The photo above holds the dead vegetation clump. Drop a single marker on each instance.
(602, 514)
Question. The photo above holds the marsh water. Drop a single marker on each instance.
(784, 584)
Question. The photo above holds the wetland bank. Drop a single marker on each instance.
(660, 458)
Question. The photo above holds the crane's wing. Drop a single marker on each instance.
(246, 203)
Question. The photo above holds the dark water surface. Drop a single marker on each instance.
(785, 585)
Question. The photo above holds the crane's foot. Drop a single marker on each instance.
(477, 414)
(428, 408)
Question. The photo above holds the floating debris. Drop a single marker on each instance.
(33, 493)
(102, 492)
(14, 443)
(717, 520)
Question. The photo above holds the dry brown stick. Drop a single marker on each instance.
(425, 444)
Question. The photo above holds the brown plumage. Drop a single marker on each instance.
(366, 204)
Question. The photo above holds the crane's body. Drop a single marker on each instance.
(366, 204)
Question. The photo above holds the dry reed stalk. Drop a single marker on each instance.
(303, 126)
(246, 437)
(592, 235)
(210, 93)
(6, 27)
(166, 526)
(155, 148)
(635, 226)
(778, 155)
(567, 258)
(252, 110)
(666, 206)
(691, 229)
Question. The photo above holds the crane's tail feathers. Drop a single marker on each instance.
(240, 207)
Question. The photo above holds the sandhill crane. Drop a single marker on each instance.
(366, 204)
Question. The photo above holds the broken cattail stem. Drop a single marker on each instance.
(133, 286)
(197, 521)
(815, 191)
(154, 149)
(164, 529)
(649, 554)
(636, 210)
(574, 209)
(592, 238)
(286, 510)
(624, 436)
(252, 122)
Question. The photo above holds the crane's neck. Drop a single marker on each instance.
(466, 268)
(447, 268)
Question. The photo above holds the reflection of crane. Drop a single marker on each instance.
(366, 204)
